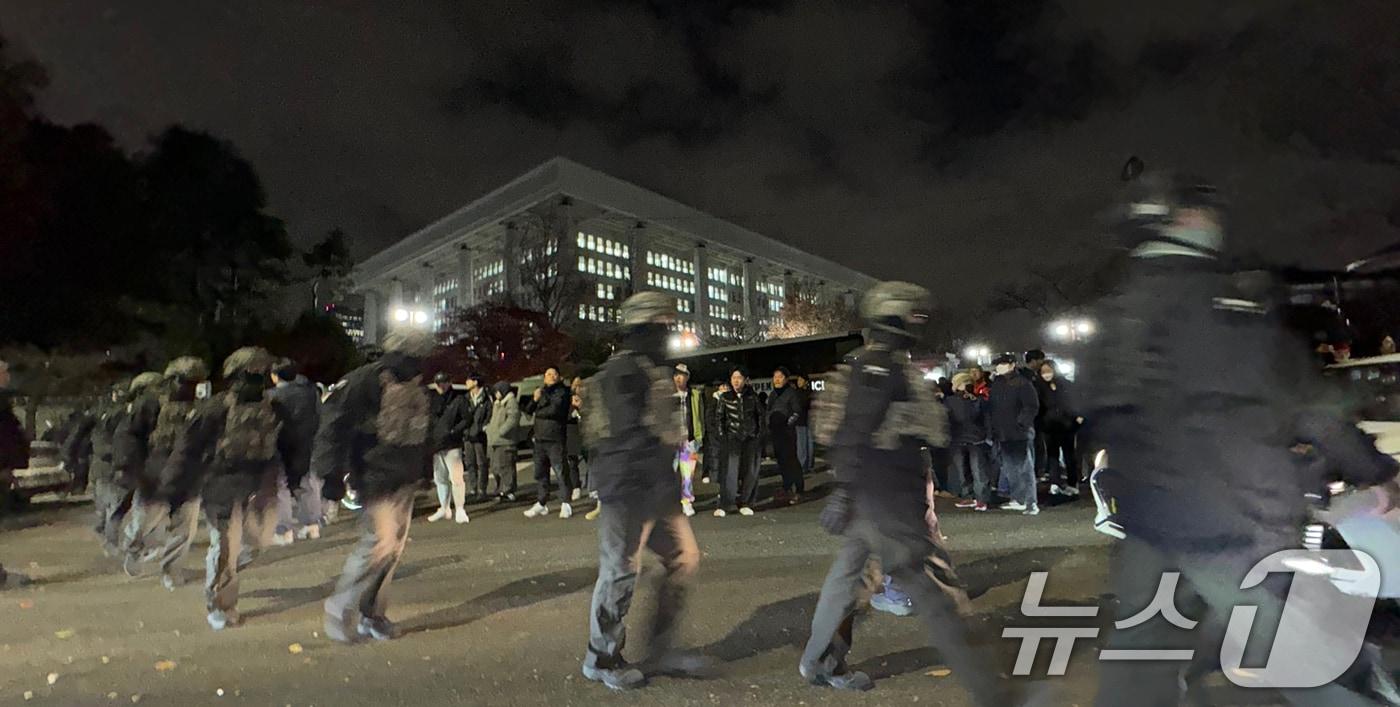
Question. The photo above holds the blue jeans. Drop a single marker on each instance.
(1017, 458)
(806, 449)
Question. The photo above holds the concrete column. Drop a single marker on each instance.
(702, 291)
(466, 289)
(396, 302)
(510, 251)
(750, 271)
(374, 312)
(638, 240)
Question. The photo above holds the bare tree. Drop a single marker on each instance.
(547, 284)
(1047, 290)
(806, 312)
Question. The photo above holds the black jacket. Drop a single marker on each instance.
(478, 414)
(349, 440)
(212, 456)
(967, 419)
(298, 405)
(1012, 408)
(804, 406)
(632, 461)
(1058, 408)
(131, 444)
(104, 428)
(14, 443)
(738, 416)
(784, 410)
(450, 420)
(551, 412)
(77, 439)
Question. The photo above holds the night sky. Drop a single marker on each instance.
(948, 143)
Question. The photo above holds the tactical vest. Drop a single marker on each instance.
(169, 422)
(921, 416)
(829, 408)
(250, 433)
(404, 417)
(662, 416)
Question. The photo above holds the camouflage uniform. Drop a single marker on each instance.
(110, 500)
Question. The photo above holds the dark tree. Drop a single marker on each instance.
(317, 342)
(330, 265)
(501, 341)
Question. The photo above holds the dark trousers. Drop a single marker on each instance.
(227, 500)
(113, 501)
(503, 468)
(1060, 444)
(1042, 456)
(785, 453)
(478, 467)
(738, 485)
(626, 528)
(922, 569)
(550, 455)
(369, 570)
(1017, 459)
(971, 465)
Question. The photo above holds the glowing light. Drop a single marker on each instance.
(401, 315)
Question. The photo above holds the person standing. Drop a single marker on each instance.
(1011, 417)
(781, 415)
(475, 462)
(227, 450)
(981, 387)
(806, 448)
(739, 427)
(634, 426)
(376, 425)
(109, 499)
(14, 454)
(298, 405)
(1061, 423)
(968, 442)
(573, 442)
(502, 436)
(550, 406)
(76, 446)
(687, 455)
(450, 420)
(714, 460)
(875, 433)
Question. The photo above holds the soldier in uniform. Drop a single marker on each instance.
(874, 430)
(162, 526)
(634, 426)
(226, 449)
(374, 426)
(111, 500)
(130, 454)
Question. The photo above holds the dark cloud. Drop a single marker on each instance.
(951, 143)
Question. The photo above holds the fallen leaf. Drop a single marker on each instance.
(53, 678)
(135, 699)
(26, 604)
(65, 633)
(106, 660)
(165, 666)
(111, 695)
(28, 694)
(219, 692)
(294, 649)
(939, 673)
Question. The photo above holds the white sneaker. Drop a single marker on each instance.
(593, 495)
(566, 512)
(745, 511)
(1072, 491)
(538, 510)
(462, 517)
(1013, 506)
(1055, 490)
(704, 479)
(283, 539)
(719, 513)
(576, 495)
(687, 509)
(309, 532)
(1032, 511)
(438, 515)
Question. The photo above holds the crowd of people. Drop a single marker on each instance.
(1217, 467)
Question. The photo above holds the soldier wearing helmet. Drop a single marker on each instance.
(634, 426)
(111, 501)
(885, 414)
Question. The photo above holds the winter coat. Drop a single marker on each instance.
(375, 426)
(784, 410)
(450, 419)
(1012, 408)
(738, 416)
(967, 419)
(503, 429)
(478, 413)
(228, 444)
(804, 406)
(298, 406)
(14, 443)
(145, 442)
(632, 456)
(1058, 409)
(104, 428)
(692, 403)
(76, 450)
(551, 412)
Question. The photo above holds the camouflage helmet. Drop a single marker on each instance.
(249, 359)
(1153, 205)
(188, 368)
(409, 342)
(144, 381)
(895, 306)
(647, 307)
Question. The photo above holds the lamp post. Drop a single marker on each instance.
(1072, 330)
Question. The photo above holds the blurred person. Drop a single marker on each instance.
(635, 426)
(981, 387)
(1034, 358)
(714, 458)
(502, 436)
(1387, 345)
(781, 415)
(969, 442)
(806, 448)
(109, 500)
(450, 420)
(376, 426)
(475, 456)
(297, 403)
(875, 430)
(739, 428)
(550, 406)
(1060, 422)
(573, 442)
(1011, 415)
(14, 454)
(75, 448)
(692, 405)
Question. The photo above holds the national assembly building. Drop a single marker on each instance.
(607, 238)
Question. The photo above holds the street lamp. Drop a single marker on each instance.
(416, 317)
(979, 354)
(1072, 330)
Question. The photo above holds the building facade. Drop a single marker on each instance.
(575, 242)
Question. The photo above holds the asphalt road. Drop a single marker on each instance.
(495, 612)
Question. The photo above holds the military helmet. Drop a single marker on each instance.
(145, 380)
(249, 359)
(188, 368)
(896, 306)
(409, 342)
(647, 307)
(1157, 200)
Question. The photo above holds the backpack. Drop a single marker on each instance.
(170, 422)
(250, 433)
(829, 409)
(663, 416)
(404, 418)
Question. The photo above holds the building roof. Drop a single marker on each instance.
(563, 176)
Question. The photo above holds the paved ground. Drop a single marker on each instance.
(496, 613)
